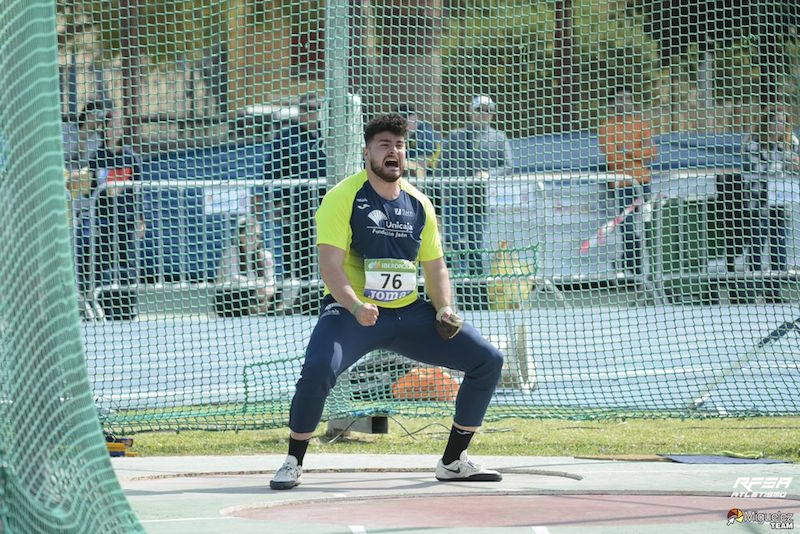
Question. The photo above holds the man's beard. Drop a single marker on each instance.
(383, 175)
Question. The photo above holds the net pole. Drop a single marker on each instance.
(337, 54)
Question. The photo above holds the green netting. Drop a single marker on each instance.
(673, 296)
(622, 225)
(55, 474)
(662, 300)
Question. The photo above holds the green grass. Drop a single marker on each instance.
(774, 437)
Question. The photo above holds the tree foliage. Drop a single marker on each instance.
(613, 52)
(166, 28)
(507, 49)
(504, 48)
(678, 24)
(751, 40)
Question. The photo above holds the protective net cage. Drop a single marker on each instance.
(616, 183)
(55, 473)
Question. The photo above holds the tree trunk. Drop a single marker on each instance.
(564, 111)
(409, 66)
(131, 73)
(706, 103)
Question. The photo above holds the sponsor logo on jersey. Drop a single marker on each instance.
(377, 217)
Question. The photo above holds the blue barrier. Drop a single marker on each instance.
(572, 151)
(575, 151)
(231, 161)
(694, 150)
(184, 226)
(580, 151)
(181, 241)
(184, 239)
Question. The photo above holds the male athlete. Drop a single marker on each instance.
(373, 229)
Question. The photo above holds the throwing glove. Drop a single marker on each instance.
(450, 326)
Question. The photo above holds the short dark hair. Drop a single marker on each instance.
(94, 107)
(393, 122)
(406, 110)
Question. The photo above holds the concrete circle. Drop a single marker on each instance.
(511, 509)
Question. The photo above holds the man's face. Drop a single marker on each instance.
(94, 126)
(386, 156)
(411, 122)
(482, 115)
(624, 103)
(308, 114)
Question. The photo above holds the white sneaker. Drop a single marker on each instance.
(288, 476)
(465, 469)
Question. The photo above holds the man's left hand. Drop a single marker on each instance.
(448, 324)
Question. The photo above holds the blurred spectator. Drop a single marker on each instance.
(111, 171)
(626, 141)
(91, 126)
(88, 138)
(469, 156)
(297, 154)
(82, 138)
(479, 148)
(732, 217)
(246, 273)
(424, 142)
(770, 154)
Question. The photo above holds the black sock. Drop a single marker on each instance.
(297, 448)
(458, 442)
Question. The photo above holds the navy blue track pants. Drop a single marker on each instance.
(338, 341)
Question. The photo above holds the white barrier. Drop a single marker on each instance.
(559, 211)
(547, 216)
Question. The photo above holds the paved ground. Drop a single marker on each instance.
(398, 494)
(585, 358)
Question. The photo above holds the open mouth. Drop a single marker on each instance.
(392, 163)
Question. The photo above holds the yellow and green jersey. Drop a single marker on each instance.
(384, 240)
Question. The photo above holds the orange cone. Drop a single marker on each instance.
(426, 384)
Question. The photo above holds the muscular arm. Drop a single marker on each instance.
(331, 261)
(647, 150)
(508, 158)
(437, 282)
(608, 147)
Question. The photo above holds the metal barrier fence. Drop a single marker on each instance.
(157, 233)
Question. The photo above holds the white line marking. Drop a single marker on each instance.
(358, 529)
(540, 530)
(183, 519)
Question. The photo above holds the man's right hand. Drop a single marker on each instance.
(366, 314)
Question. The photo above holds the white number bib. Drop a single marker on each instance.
(387, 280)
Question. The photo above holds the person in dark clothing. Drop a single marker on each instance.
(471, 157)
(297, 157)
(770, 154)
(424, 142)
(107, 222)
(112, 172)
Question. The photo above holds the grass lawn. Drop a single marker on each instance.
(774, 437)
